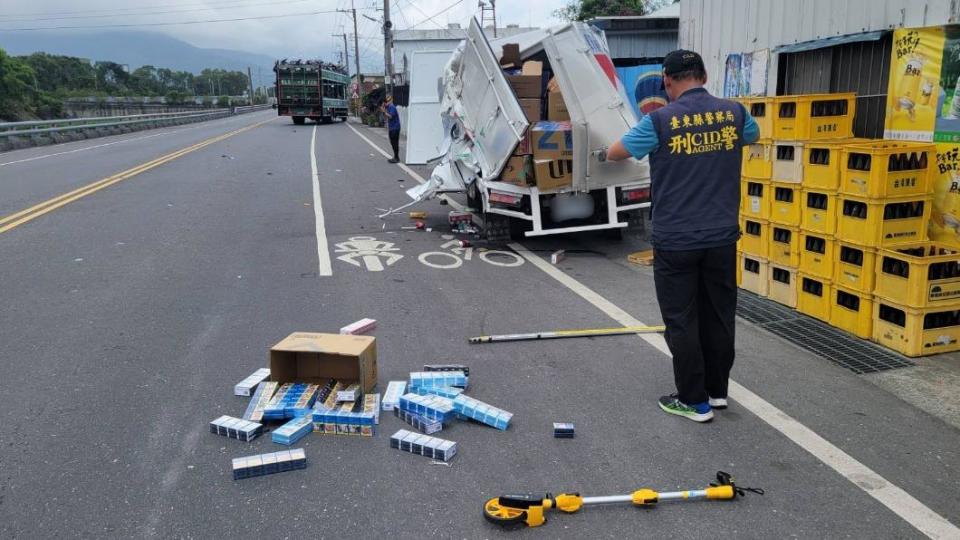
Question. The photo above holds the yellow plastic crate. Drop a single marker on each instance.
(888, 169)
(783, 285)
(758, 160)
(787, 162)
(816, 255)
(762, 110)
(814, 296)
(752, 274)
(819, 211)
(755, 198)
(854, 267)
(852, 311)
(785, 205)
(915, 332)
(814, 116)
(754, 237)
(925, 274)
(784, 246)
(881, 223)
(822, 162)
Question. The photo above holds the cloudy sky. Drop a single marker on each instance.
(305, 33)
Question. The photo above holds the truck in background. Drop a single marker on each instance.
(524, 120)
(311, 89)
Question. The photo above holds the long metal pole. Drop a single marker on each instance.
(250, 84)
(356, 54)
(560, 334)
(387, 48)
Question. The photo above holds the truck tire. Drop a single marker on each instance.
(474, 202)
(299, 120)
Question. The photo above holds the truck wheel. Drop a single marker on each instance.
(299, 120)
(474, 202)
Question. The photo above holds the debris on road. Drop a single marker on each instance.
(291, 401)
(391, 398)
(274, 462)
(418, 215)
(236, 428)
(448, 367)
(557, 256)
(292, 431)
(258, 402)
(432, 407)
(359, 327)
(435, 379)
(421, 423)
(643, 258)
(348, 394)
(246, 386)
(559, 334)
(475, 409)
(423, 445)
(563, 430)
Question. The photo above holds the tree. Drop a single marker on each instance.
(582, 10)
(16, 87)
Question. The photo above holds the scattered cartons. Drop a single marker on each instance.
(259, 401)
(292, 431)
(518, 171)
(448, 392)
(314, 358)
(528, 84)
(433, 407)
(423, 445)
(391, 398)
(236, 428)
(246, 386)
(447, 367)
(557, 256)
(434, 379)
(361, 326)
(421, 423)
(274, 462)
(291, 401)
(350, 393)
(482, 412)
(563, 430)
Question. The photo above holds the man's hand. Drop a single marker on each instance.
(617, 152)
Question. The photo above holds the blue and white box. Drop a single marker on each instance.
(423, 445)
(475, 409)
(391, 398)
(293, 431)
(425, 425)
(274, 462)
(236, 428)
(246, 386)
(258, 402)
(434, 379)
(433, 407)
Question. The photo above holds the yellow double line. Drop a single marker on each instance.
(29, 214)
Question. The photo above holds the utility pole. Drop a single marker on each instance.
(387, 48)
(345, 55)
(250, 84)
(356, 51)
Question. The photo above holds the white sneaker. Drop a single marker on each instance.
(717, 403)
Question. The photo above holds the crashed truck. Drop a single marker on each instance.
(485, 128)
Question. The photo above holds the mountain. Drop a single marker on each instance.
(136, 49)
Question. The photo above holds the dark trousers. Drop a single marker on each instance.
(697, 292)
(395, 143)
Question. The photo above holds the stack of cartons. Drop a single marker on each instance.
(552, 154)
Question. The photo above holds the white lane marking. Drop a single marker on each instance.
(323, 251)
(413, 174)
(94, 147)
(896, 499)
(366, 251)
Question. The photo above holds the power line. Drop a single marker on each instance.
(135, 25)
(226, 6)
(439, 13)
(439, 26)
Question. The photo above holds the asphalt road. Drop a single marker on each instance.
(131, 312)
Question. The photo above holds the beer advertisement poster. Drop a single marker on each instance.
(915, 90)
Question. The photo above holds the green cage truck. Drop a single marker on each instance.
(311, 89)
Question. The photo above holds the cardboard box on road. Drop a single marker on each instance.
(309, 357)
(553, 173)
(518, 171)
(531, 109)
(552, 140)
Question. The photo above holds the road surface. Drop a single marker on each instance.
(144, 275)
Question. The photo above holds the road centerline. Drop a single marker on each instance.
(901, 503)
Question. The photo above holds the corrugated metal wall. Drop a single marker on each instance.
(862, 67)
(716, 28)
(641, 45)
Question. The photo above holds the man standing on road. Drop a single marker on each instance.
(393, 127)
(694, 144)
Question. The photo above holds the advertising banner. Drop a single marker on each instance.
(642, 84)
(914, 91)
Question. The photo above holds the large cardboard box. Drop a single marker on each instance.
(313, 358)
(552, 140)
(518, 171)
(553, 173)
(529, 83)
(531, 109)
(556, 107)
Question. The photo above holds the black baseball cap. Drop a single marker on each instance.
(680, 61)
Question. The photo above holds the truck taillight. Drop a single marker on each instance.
(635, 195)
(509, 199)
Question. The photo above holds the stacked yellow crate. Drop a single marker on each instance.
(884, 202)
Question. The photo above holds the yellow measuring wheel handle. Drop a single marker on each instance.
(721, 493)
(645, 497)
(568, 502)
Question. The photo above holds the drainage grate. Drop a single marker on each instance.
(853, 353)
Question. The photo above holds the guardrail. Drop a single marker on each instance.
(39, 127)
(251, 108)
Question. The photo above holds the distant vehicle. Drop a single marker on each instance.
(311, 89)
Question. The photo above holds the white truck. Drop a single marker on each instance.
(483, 123)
